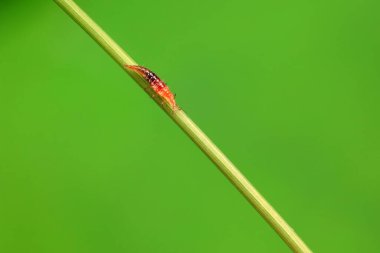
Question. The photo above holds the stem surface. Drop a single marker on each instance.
(191, 129)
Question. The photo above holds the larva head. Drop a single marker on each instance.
(144, 72)
(138, 69)
(132, 67)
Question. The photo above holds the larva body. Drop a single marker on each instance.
(156, 84)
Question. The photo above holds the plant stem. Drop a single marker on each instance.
(191, 129)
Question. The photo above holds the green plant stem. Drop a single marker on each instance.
(191, 129)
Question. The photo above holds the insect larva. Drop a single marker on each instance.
(156, 84)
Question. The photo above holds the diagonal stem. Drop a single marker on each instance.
(192, 130)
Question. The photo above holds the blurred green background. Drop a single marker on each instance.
(288, 89)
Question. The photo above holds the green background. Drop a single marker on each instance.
(289, 90)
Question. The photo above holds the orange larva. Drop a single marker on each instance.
(156, 84)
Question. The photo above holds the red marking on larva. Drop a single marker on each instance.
(156, 84)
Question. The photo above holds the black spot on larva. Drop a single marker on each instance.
(151, 77)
